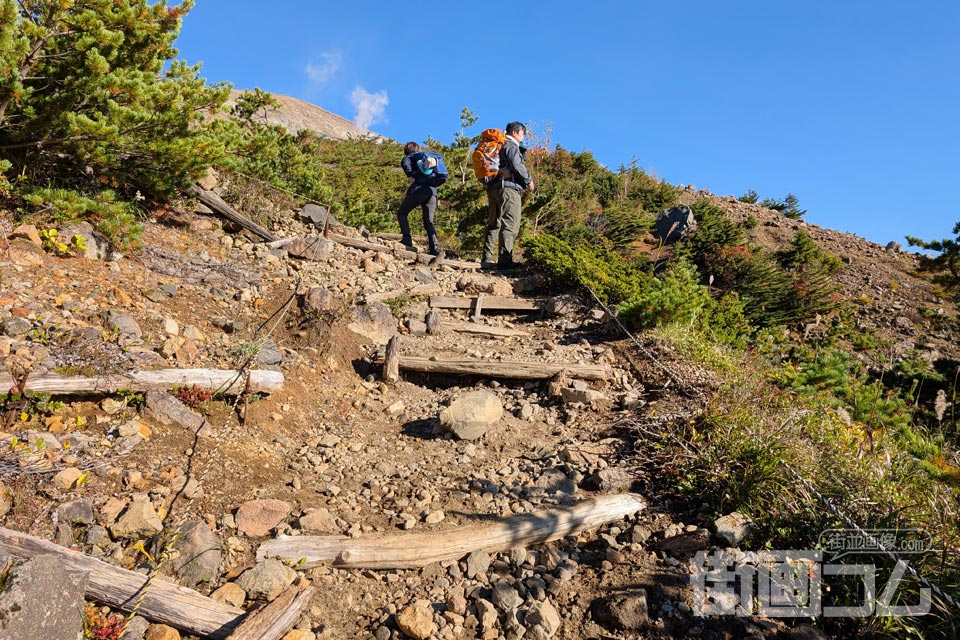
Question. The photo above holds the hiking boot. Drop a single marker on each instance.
(407, 243)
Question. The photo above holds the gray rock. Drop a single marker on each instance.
(199, 556)
(98, 247)
(542, 620)
(732, 529)
(43, 600)
(267, 579)
(583, 396)
(76, 511)
(139, 520)
(608, 480)
(477, 562)
(319, 521)
(424, 275)
(894, 247)
(486, 614)
(374, 322)
(675, 224)
(472, 415)
(95, 535)
(505, 598)
(167, 409)
(316, 215)
(555, 481)
(312, 248)
(563, 305)
(136, 629)
(269, 353)
(320, 300)
(14, 327)
(123, 323)
(686, 544)
(626, 611)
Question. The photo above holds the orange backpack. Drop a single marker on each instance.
(486, 155)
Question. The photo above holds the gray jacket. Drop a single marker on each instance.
(513, 172)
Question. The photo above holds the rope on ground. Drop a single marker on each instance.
(873, 539)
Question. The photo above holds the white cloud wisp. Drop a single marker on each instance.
(370, 107)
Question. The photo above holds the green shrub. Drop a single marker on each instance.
(725, 322)
(675, 296)
(115, 219)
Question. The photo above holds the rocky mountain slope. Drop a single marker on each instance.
(340, 451)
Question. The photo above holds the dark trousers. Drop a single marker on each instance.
(424, 198)
(503, 224)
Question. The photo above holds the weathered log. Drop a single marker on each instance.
(164, 602)
(480, 329)
(420, 549)
(282, 242)
(478, 307)
(490, 303)
(222, 381)
(417, 290)
(509, 370)
(214, 201)
(275, 619)
(426, 258)
(391, 361)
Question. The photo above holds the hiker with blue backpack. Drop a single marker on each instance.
(425, 172)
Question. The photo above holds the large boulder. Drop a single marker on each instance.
(312, 248)
(258, 517)
(198, 554)
(43, 600)
(675, 224)
(97, 245)
(374, 322)
(472, 415)
(626, 611)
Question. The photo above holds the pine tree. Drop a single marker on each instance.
(90, 95)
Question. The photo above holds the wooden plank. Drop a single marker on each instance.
(214, 201)
(417, 290)
(278, 617)
(490, 303)
(420, 549)
(164, 602)
(223, 381)
(391, 361)
(508, 370)
(434, 322)
(478, 307)
(479, 329)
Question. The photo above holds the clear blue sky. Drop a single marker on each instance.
(854, 106)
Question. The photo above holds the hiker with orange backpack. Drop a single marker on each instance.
(425, 172)
(504, 189)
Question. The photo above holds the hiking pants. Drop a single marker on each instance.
(427, 201)
(503, 222)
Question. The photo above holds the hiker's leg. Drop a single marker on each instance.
(509, 226)
(409, 202)
(493, 226)
(429, 208)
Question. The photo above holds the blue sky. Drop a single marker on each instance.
(853, 106)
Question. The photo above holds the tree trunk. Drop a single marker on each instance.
(222, 381)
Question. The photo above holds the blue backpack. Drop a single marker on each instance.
(432, 176)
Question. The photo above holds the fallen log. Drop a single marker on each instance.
(391, 361)
(275, 619)
(417, 290)
(222, 381)
(164, 602)
(425, 258)
(481, 329)
(214, 201)
(420, 549)
(489, 303)
(509, 370)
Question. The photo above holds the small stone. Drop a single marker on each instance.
(319, 521)
(472, 415)
(161, 632)
(230, 594)
(623, 611)
(140, 519)
(477, 562)
(267, 579)
(416, 621)
(435, 517)
(543, 615)
(75, 512)
(258, 517)
(733, 528)
(171, 327)
(67, 479)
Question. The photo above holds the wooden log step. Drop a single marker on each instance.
(508, 370)
(214, 201)
(417, 290)
(167, 603)
(365, 245)
(461, 326)
(277, 618)
(420, 549)
(489, 303)
(226, 382)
